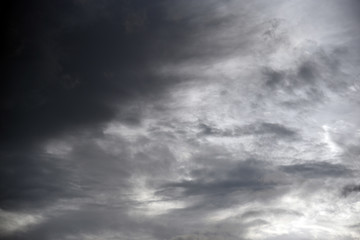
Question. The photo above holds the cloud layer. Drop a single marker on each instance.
(180, 120)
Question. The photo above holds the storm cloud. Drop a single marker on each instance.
(180, 120)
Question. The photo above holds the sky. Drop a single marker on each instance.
(180, 120)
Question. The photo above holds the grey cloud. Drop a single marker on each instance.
(262, 128)
(356, 226)
(346, 138)
(31, 180)
(318, 170)
(307, 72)
(221, 187)
(349, 189)
(90, 221)
(208, 236)
(310, 78)
(227, 185)
(276, 129)
(181, 161)
(78, 65)
(304, 78)
(273, 77)
(274, 211)
(68, 68)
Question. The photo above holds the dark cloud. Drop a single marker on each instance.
(92, 221)
(78, 64)
(208, 235)
(277, 129)
(83, 192)
(31, 180)
(259, 213)
(318, 170)
(262, 128)
(220, 187)
(355, 226)
(273, 77)
(307, 72)
(227, 185)
(308, 80)
(350, 189)
(67, 69)
(136, 119)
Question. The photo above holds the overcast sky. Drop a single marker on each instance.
(180, 120)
